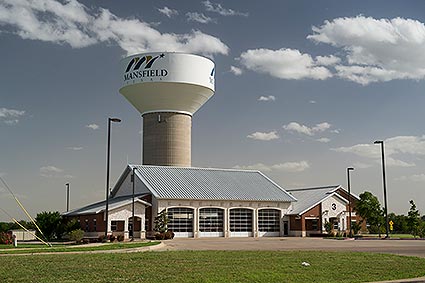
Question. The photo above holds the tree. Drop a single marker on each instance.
(161, 222)
(413, 219)
(50, 224)
(76, 235)
(400, 223)
(369, 208)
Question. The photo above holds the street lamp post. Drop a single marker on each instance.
(349, 199)
(108, 153)
(133, 179)
(67, 197)
(385, 187)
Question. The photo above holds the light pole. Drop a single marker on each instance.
(108, 153)
(385, 187)
(133, 180)
(67, 197)
(349, 199)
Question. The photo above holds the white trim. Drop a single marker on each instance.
(322, 200)
(167, 111)
(241, 234)
(268, 234)
(183, 234)
(211, 234)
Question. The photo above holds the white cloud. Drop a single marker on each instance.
(282, 167)
(198, 17)
(53, 172)
(360, 165)
(74, 24)
(168, 12)
(217, 8)
(321, 127)
(324, 140)
(389, 161)
(363, 150)
(283, 64)
(312, 101)
(236, 71)
(303, 129)
(267, 98)
(11, 116)
(413, 178)
(50, 169)
(76, 148)
(327, 60)
(93, 126)
(393, 147)
(376, 49)
(264, 136)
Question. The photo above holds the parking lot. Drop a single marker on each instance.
(399, 247)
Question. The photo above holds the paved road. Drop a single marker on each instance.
(400, 247)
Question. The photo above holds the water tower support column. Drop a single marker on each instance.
(167, 139)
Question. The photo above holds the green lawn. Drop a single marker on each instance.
(210, 266)
(29, 248)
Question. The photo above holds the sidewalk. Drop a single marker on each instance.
(411, 280)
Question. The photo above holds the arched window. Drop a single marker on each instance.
(211, 220)
(180, 219)
(240, 220)
(268, 220)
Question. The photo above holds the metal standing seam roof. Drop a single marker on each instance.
(310, 197)
(97, 207)
(166, 182)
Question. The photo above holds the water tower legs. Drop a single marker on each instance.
(167, 139)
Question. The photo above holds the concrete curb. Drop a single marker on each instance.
(129, 250)
(411, 280)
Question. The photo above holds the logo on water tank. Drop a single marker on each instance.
(141, 67)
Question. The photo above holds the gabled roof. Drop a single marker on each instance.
(167, 182)
(98, 207)
(310, 197)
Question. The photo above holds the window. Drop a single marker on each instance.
(94, 225)
(241, 220)
(113, 225)
(314, 225)
(268, 220)
(211, 220)
(180, 219)
(87, 225)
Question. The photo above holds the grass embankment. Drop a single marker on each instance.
(29, 248)
(210, 266)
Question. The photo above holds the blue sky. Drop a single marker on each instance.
(303, 88)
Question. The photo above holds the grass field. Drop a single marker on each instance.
(30, 248)
(210, 266)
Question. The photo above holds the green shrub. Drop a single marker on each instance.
(6, 238)
(76, 235)
(120, 238)
(102, 239)
(169, 235)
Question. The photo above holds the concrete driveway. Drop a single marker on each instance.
(399, 247)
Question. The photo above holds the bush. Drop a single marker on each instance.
(102, 239)
(164, 236)
(169, 235)
(120, 238)
(159, 236)
(6, 238)
(111, 238)
(76, 235)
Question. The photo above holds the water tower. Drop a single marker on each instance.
(167, 89)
